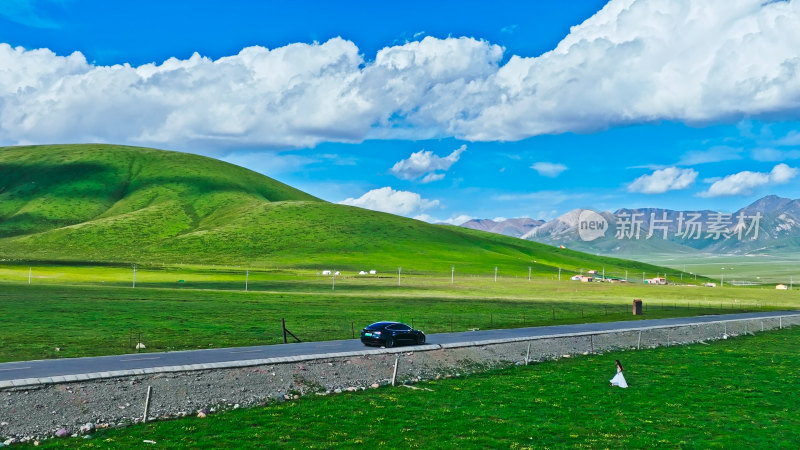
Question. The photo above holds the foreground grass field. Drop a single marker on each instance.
(95, 311)
(739, 393)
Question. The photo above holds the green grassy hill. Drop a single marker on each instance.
(116, 204)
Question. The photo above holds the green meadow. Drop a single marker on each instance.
(95, 310)
(737, 393)
(757, 269)
(117, 205)
(222, 254)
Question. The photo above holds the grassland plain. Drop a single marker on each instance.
(88, 311)
(757, 269)
(115, 204)
(737, 393)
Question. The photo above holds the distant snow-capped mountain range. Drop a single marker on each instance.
(768, 225)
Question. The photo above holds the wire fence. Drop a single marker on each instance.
(342, 326)
(651, 337)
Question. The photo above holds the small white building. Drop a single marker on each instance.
(710, 285)
(782, 287)
(373, 272)
(582, 278)
(362, 273)
(337, 273)
(656, 280)
(326, 272)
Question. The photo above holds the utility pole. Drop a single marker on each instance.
(246, 280)
(399, 269)
(559, 274)
(495, 274)
(134, 275)
(333, 286)
(452, 274)
(626, 275)
(30, 269)
(529, 273)
(604, 273)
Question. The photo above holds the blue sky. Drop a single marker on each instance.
(435, 110)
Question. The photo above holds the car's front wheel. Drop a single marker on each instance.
(389, 342)
(421, 340)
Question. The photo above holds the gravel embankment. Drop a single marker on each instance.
(34, 413)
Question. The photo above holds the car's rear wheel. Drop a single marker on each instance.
(389, 342)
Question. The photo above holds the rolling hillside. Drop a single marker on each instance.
(114, 204)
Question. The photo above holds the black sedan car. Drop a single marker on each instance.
(390, 334)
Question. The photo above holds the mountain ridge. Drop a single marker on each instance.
(777, 229)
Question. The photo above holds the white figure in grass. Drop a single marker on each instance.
(619, 378)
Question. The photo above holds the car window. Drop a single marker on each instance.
(402, 327)
(392, 327)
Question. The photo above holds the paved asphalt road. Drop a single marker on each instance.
(75, 366)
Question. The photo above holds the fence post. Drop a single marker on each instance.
(639, 341)
(394, 373)
(147, 404)
(528, 354)
(283, 325)
(353, 329)
(591, 344)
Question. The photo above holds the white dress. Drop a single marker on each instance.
(619, 380)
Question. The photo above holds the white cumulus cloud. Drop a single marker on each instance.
(453, 220)
(386, 199)
(663, 180)
(424, 162)
(743, 183)
(548, 169)
(634, 61)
